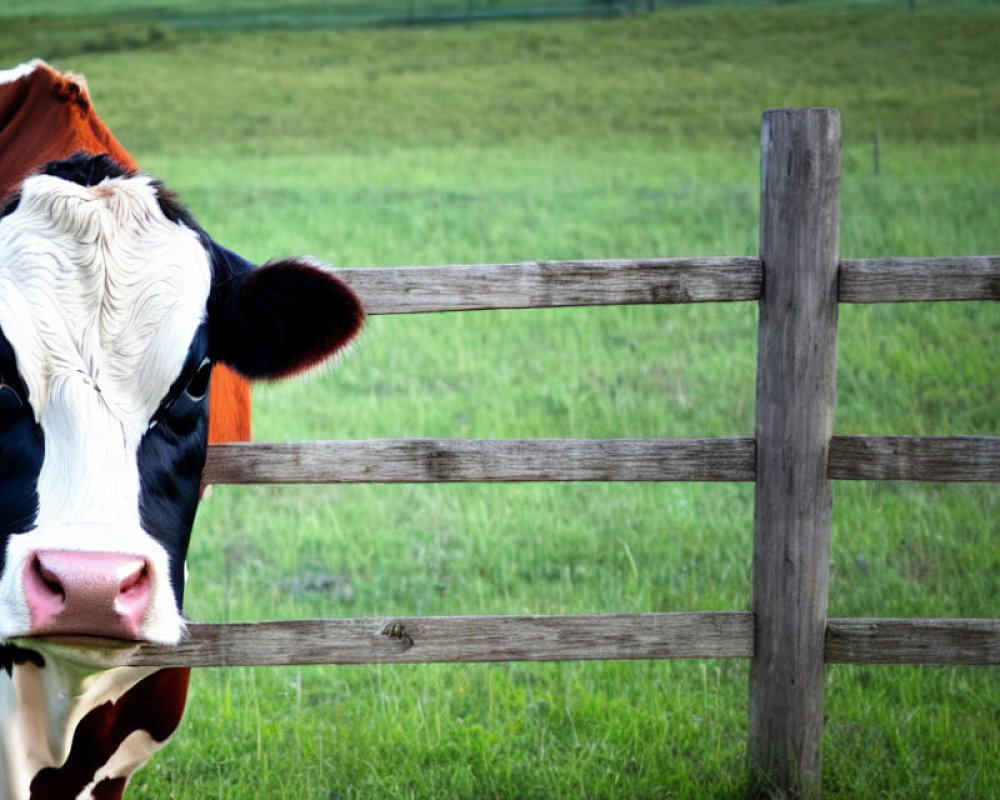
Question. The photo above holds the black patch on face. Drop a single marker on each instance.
(174, 210)
(22, 449)
(82, 168)
(86, 169)
(171, 458)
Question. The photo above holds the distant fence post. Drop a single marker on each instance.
(796, 397)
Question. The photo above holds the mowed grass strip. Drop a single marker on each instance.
(625, 139)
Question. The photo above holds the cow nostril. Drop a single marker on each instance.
(48, 578)
(136, 580)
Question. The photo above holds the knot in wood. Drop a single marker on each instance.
(397, 632)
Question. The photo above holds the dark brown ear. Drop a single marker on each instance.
(281, 318)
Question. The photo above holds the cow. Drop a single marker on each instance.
(116, 309)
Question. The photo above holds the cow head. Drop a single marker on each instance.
(114, 305)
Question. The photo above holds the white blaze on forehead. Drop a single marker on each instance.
(96, 283)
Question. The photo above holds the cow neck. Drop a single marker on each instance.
(51, 688)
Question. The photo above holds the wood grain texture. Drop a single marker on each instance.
(482, 460)
(579, 637)
(899, 280)
(410, 640)
(913, 641)
(882, 458)
(915, 458)
(550, 284)
(796, 396)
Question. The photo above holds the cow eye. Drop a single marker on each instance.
(198, 385)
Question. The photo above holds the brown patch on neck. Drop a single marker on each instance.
(155, 705)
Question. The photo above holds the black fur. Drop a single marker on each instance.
(22, 449)
(171, 458)
(11, 205)
(82, 168)
(11, 654)
(86, 169)
(278, 319)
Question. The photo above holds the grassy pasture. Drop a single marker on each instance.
(631, 138)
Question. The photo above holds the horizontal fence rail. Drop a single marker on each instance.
(938, 642)
(915, 458)
(903, 280)
(553, 284)
(413, 640)
(557, 284)
(568, 637)
(896, 458)
(482, 461)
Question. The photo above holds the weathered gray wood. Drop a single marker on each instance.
(913, 641)
(796, 394)
(898, 280)
(482, 460)
(579, 637)
(915, 458)
(900, 458)
(410, 640)
(546, 284)
(541, 284)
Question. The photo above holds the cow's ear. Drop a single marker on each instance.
(281, 318)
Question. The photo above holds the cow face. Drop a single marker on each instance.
(114, 305)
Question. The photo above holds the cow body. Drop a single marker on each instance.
(114, 308)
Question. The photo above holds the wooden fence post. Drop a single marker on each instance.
(796, 396)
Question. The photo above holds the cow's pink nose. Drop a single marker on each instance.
(98, 594)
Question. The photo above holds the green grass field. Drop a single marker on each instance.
(637, 137)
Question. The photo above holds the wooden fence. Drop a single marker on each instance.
(799, 280)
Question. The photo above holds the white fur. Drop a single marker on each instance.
(15, 73)
(100, 297)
